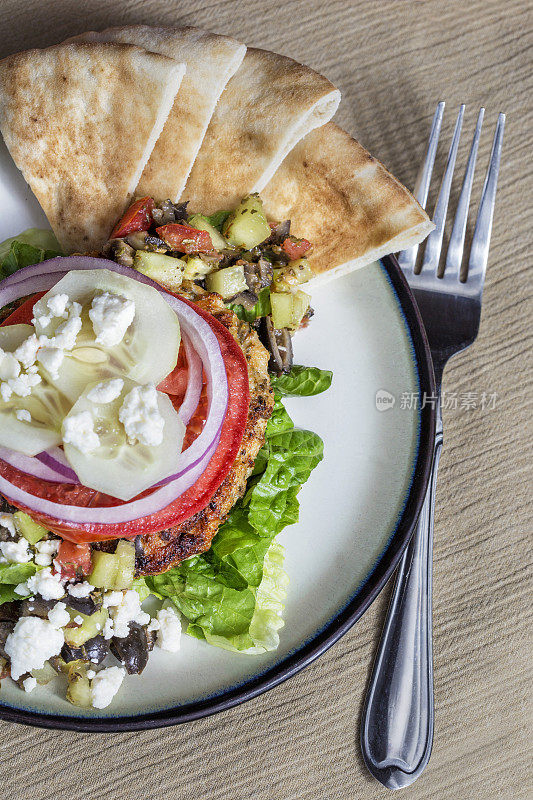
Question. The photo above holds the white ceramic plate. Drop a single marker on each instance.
(357, 509)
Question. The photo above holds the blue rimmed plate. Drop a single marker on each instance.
(357, 509)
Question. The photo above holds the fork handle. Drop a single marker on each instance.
(397, 724)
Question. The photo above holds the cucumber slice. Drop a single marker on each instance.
(125, 553)
(166, 270)
(288, 309)
(196, 267)
(32, 531)
(227, 282)
(199, 222)
(116, 466)
(79, 686)
(147, 353)
(282, 309)
(300, 304)
(105, 567)
(90, 627)
(45, 404)
(247, 225)
(294, 274)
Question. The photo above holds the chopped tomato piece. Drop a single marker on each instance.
(295, 248)
(138, 217)
(185, 239)
(176, 381)
(75, 559)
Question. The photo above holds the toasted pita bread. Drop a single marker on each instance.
(345, 202)
(80, 121)
(211, 60)
(267, 107)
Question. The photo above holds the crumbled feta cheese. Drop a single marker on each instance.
(105, 685)
(58, 305)
(153, 625)
(51, 358)
(32, 642)
(23, 415)
(169, 631)
(47, 584)
(111, 316)
(23, 385)
(78, 619)
(140, 416)
(8, 521)
(90, 674)
(29, 683)
(46, 549)
(80, 589)
(48, 546)
(112, 599)
(26, 352)
(16, 552)
(65, 334)
(22, 589)
(59, 616)
(106, 392)
(121, 614)
(9, 366)
(5, 391)
(78, 430)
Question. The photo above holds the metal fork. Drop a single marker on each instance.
(397, 722)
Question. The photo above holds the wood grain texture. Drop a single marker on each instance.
(392, 61)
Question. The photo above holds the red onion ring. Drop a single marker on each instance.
(39, 277)
(55, 459)
(32, 465)
(194, 384)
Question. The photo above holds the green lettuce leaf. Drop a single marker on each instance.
(292, 457)
(232, 596)
(30, 247)
(302, 381)
(261, 634)
(260, 309)
(218, 219)
(10, 576)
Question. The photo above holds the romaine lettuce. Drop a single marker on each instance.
(29, 247)
(232, 596)
(10, 576)
(302, 381)
(260, 309)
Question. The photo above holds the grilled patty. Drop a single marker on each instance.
(157, 552)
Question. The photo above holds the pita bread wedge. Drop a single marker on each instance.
(345, 202)
(211, 60)
(267, 107)
(80, 121)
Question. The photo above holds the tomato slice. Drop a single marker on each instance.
(138, 217)
(295, 248)
(185, 239)
(191, 501)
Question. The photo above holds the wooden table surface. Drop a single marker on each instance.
(392, 61)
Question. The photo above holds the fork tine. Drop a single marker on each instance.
(479, 252)
(407, 258)
(454, 256)
(434, 240)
